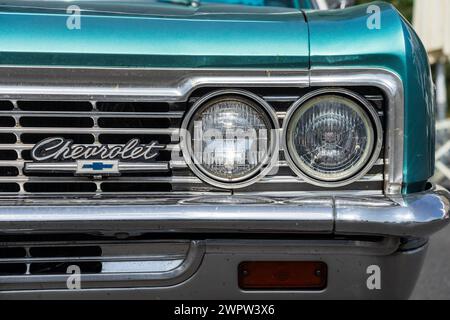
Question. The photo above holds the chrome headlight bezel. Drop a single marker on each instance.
(353, 174)
(270, 160)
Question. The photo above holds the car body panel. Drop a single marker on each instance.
(172, 37)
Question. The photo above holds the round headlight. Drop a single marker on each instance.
(330, 137)
(229, 139)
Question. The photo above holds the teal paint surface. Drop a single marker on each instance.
(145, 34)
(174, 36)
(341, 39)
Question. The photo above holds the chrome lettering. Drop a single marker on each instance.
(60, 149)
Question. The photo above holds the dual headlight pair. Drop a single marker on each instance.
(330, 137)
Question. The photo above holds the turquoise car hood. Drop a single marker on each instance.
(152, 34)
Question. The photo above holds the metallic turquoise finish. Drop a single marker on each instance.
(166, 35)
(299, 4)
(145, 34)
(341, 39)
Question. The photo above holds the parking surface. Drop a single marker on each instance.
(434, 281)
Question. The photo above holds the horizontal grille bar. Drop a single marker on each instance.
(173, 179)
(281, 164)
(90, 259)
(71, 114)
(123, 167)
(156, 131)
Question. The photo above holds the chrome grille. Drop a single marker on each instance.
(23, 123)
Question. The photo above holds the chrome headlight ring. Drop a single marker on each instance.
(354, 173)
(257, 173)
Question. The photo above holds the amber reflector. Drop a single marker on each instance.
(282, 275)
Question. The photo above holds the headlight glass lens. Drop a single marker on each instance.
(330, 138)
(230, 138)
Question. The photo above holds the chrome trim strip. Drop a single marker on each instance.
(295, 179)
(69, 167)
(285, 194)
(392, 86)
(416, 215)
(72, 167)
(116, 259)
(151, 167)
(281, 163)
(281, 98)
(125, 198)
(146, 84)
(93, 114)
(57, 130)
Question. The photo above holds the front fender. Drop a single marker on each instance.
(342, 38)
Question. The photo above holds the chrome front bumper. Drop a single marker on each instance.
(416, 215)
(209, 266)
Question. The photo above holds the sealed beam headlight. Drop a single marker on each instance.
(230, 140)
(332, 137)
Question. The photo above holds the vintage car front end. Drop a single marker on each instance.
(178, 152)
